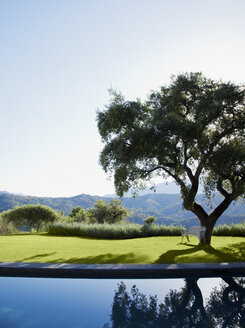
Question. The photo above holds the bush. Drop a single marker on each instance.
(78, 214)
(111, 213)
(34, 216)
(125, 230)
(150, 220)
(6, 228)
(236, 230)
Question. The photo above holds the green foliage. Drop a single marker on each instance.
(128, 230)
(165, 207)
(195, 123)
(150, 220)
(231, 230)
(6, 228)
(192, 129)
(31, 215)
(78, 214)
(111, 213)
(113, 231)
(66, 204)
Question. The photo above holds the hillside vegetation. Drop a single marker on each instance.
(166, 208)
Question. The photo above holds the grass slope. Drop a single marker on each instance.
(54, 249)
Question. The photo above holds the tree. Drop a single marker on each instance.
(113, 212)
(6, 227)
(191, 130)
(31, 215)
(79, 214)
(150, 220)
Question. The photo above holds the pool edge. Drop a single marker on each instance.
(121, 271)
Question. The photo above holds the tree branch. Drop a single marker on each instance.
(186, 167)
(200, 212)
(212, 145)
(220, 209)
(221, 189)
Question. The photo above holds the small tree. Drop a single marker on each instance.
(150, 220)
(113, 212)
(79, 214)
(99, 211)
(191, 130)
(6, 227)
(31, 215)
(116, 211)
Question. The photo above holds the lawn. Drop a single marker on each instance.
(55, 249)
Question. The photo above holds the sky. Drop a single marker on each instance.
(58, 58)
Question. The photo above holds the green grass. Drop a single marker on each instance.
(57, 249)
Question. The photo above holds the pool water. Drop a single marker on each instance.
(107, 303)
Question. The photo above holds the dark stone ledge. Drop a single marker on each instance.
(121, 271)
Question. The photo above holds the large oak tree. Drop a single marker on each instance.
(192, 131)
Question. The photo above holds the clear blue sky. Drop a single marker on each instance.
(58, 58)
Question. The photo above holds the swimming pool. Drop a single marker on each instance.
(105, 303)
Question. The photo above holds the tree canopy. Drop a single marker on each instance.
(192, 130)
(79, 214)
(103, 212)
(31, 215)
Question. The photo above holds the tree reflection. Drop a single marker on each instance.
(226, 306)
(185, 308)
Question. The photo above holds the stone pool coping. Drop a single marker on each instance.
(121, 271)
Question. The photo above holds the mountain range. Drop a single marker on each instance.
(167, 207)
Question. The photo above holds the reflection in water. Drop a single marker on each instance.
(225, 307)
(90, 303)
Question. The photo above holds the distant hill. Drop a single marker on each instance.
(66, 204)
(166, 207)
(160, 188)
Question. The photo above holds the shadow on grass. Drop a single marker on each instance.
(105, 259)
(99, 259)
(37, 257)
(73, 236)
(22, 234)
(231, 253)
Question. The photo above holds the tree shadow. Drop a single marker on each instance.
(238, 250)
(23, 234)
(38, 256)
(104, 259)
(75, 236)
(99, 259)
(231, 253)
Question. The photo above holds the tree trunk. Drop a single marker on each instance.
(205, 239)
(208, 221)
(205, 221)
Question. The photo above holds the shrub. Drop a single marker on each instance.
(110, 213)
(230, 230)
(150, 220)
(78, 214)
(6, 228)
(127, 230)
(34, 216)
(124, 230)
